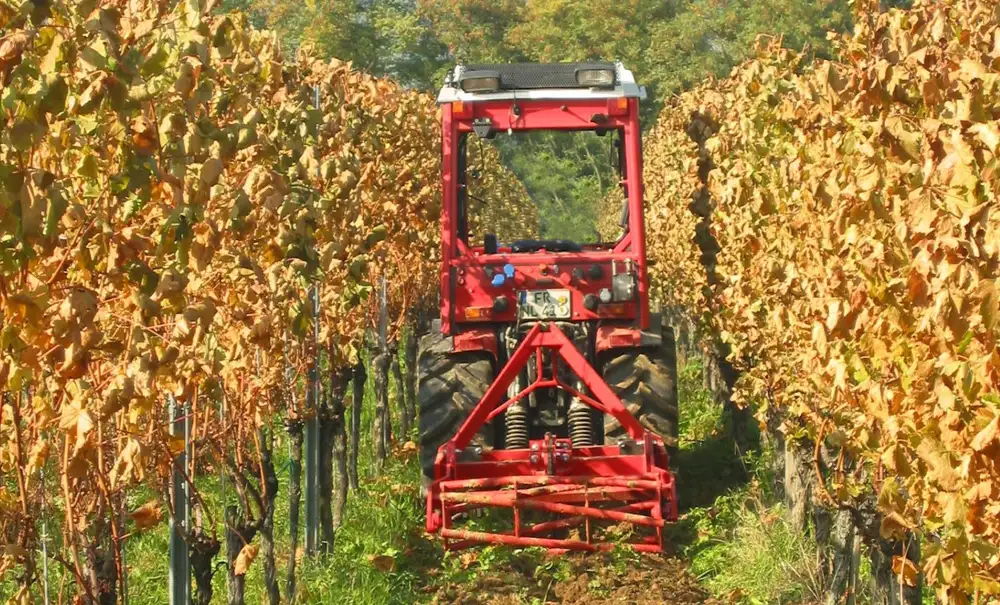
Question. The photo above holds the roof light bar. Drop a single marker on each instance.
(480, 81)
(537, 81)
(595, 78)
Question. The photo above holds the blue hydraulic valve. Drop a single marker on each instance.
(500, 279)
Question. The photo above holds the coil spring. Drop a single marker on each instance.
(581, 425)
(517, 427)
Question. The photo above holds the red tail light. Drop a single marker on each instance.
(461, 109)
(617, 308)
(618, 106)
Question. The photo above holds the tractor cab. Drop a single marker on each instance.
(497, 282)
(547, 390)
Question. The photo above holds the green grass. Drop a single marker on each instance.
(734, 534)
(709, 464)
(384, 518)
(758, 557)
(733, 530)
(701, 418)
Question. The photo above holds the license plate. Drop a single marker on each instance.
(544, 304)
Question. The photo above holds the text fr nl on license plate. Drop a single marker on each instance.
(544, 304)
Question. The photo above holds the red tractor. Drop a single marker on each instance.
(547, 389)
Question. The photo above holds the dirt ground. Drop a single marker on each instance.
(593, 579)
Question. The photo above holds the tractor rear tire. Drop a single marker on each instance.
(449, 385)
(646, 381)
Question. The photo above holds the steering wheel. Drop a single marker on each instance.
(552, 245)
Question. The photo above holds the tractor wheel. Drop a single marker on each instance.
(449, 385)
(646, 381)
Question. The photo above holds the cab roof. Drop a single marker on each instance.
(539, 81)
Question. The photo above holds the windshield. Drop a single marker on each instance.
(568, 175)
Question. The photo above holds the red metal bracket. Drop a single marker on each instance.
(593, 487)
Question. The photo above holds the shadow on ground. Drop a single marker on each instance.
(708, 469)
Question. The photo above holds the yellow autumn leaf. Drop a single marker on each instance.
(73, 417)
(383, 563)
(988, 134)
(905, 569)
(243, 560)
(986, 437)
(15, 552)
(36, 457)
(148, 515)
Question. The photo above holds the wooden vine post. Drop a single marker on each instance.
(381, 421)
(180, 520)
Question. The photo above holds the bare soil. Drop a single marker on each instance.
(594, 579)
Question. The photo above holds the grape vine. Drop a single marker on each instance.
(850, 264)
(173, 190)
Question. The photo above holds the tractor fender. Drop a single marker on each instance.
(471, 339)
(608, 337)
(475, 340)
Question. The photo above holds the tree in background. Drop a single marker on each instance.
(382, 37)
(476, 31)
(335, 28)
(709, 37)
(668, 45)
(587, 30)
(405, 46)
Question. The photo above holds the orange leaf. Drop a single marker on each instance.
(987, 436)
(468, 558)
(15, 552)
(73, 417)
(148, 515)
(905, 569)
(383, 563)
(243, 560)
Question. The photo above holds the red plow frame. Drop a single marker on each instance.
(574, 488)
